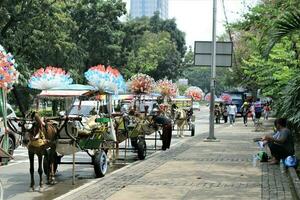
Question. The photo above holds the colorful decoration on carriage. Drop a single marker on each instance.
(166, 88)
(226, 97)
(50, 77)
(106, 79)
(195, 92)
(207, 97)
(8, 73)
(141, 84)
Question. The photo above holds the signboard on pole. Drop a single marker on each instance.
(203, 54)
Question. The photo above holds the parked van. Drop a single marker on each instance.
(14, 138)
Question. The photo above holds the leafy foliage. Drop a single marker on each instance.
(78, 34)
(153, 46)
(288, 24)
(270, 28)
(289, 105)
(200, 76)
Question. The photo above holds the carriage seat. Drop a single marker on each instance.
(88, 126)
(71, 128)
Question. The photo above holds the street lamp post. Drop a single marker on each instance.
(211, 136)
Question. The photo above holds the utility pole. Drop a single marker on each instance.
(211, 136)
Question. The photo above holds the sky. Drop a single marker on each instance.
(194, 17)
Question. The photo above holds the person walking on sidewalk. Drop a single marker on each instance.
(217, 114)
(245, 109)
(267, 109)
(281, 145)
(232, 111)
(225, 114)
(258, 109)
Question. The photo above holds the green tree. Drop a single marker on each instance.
(200, 76)
(99, 34)
(152, 56)
(166, 63)
(69, 34)
(270, 28)
(37, 33)
(288, 24)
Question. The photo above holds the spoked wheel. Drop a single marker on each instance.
(142, 148)
(100, 163)
(11, 146)
(46, 162)
(193, 130)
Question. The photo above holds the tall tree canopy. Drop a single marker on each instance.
(78, 34)
(270, 28)
(153, 46)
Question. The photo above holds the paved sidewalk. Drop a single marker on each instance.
(194, 169)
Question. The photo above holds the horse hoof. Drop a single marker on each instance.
(41, 189)
(31, 189)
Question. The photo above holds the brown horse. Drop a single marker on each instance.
(38, 138)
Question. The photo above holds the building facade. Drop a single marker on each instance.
(140, 8)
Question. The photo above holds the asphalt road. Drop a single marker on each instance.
(15, 176)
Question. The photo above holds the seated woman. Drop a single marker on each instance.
(281, 144)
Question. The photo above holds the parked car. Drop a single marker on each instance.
(14, 138)
(196, 106)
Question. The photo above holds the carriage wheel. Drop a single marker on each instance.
(11, 146)
(100, 163)
(46, 162)
(193, 130)
(142, 148)
(134, 142)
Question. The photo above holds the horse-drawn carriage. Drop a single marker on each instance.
(84, 126)
(52, 138)
(183, 115)
(136, 123)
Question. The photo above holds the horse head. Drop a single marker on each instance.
(180, 114)
(35, 128)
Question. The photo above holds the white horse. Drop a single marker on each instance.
(180, 121)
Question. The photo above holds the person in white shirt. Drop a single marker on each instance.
(232, 111)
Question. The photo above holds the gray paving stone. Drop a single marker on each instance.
(235, 149)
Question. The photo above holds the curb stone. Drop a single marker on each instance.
(295, 181)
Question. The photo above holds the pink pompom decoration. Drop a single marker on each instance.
(194, 92)
(8, 73)
(226, 98)
(141, 83)
(166, 87)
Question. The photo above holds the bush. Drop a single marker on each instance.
(289, 104)
(45, 113)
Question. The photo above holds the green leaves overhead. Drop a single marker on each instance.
(77, 34)
(153, 46)
(286, 25)
(271, 29)
(289, 105)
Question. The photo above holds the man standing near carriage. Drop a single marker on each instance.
(166, 124)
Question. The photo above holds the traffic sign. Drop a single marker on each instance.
(203, 54)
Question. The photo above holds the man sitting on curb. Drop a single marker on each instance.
(282, 144)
